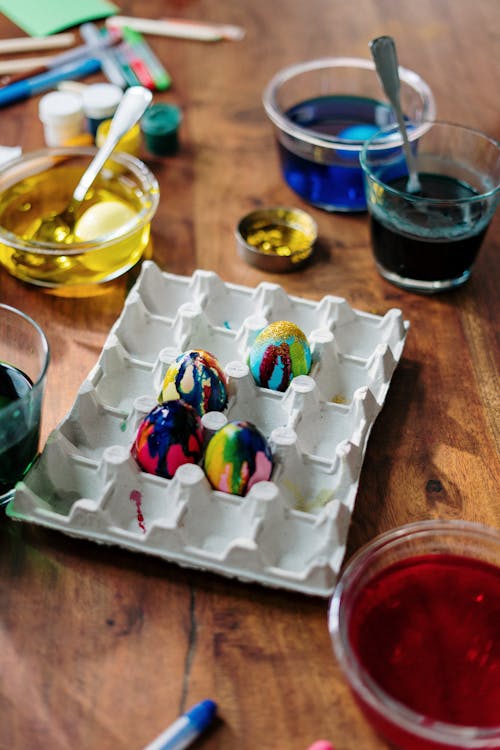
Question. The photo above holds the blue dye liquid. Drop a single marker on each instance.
(338, 184)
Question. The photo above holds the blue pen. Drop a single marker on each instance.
(186, 728)
(45, 81)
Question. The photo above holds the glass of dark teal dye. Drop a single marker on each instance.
(322, 112)
(24, 360)
(428, 241)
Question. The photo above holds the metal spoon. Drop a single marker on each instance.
(385, 58)
(132, 106)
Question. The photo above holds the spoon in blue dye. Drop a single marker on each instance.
(385, 58)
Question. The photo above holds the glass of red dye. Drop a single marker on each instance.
(415, 625)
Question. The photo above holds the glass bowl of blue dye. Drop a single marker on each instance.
(323, 111)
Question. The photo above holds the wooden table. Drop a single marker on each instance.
(102, 648)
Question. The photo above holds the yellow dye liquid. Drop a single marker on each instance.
(114, 200)
(280, 239)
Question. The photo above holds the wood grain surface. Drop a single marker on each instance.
(102, 648)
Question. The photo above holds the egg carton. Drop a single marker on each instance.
(289, 532)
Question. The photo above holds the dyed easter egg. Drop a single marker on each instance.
(237, 457)
(279, 353)
(169, 436)
(358, 132)
(197, 377)
(102, 219)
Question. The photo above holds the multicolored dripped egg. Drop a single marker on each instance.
(237, 457)
(169, 436)
(196, 377)
(279, 353)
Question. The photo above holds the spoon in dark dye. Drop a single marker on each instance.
(383, 50)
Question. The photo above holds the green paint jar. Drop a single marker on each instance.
(160, 124)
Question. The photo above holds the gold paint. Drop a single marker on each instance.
(339, 398)
(304, 504)
(280, 240)
(281, 232)
(283, 329)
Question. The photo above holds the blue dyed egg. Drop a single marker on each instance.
(279, 353)
(360, 132)
(169, 436)
(196, 377)
(237, 457)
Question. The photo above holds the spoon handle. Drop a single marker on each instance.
(132, 106)
(384, 55)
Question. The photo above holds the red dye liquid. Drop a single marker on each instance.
(427, 630)
(136, 498)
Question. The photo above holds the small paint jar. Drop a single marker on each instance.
(160, 124)
(61, 114)
(100, 101)
(276, 239)
(130, 142)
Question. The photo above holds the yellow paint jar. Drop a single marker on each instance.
(130, 143)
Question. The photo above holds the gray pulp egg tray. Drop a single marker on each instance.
(289, 532)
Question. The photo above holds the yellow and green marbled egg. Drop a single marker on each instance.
(279, 353)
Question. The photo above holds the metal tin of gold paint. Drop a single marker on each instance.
(277, 239)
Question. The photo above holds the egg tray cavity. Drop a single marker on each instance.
(289, 532)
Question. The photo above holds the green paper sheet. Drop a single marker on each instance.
(43, 17)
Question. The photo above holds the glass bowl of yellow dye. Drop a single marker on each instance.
(276, 239)
(111, 228)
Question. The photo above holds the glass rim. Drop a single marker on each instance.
(415, 724)
(369, 145)
(78, 248)
(43, 338)
(278, 117)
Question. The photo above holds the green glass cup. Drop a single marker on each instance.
(428, 241)
(24, 361)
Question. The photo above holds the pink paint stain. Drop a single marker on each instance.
(136, 498)
(263, 469)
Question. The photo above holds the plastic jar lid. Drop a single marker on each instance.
(100, 100)
(159, 125)
(60, 107)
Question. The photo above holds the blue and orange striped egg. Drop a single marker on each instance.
(197, 378)
(170, 435)
(237, 456)
(279, 353)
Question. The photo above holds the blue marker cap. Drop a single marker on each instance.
(202, 714)
(186, 728)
